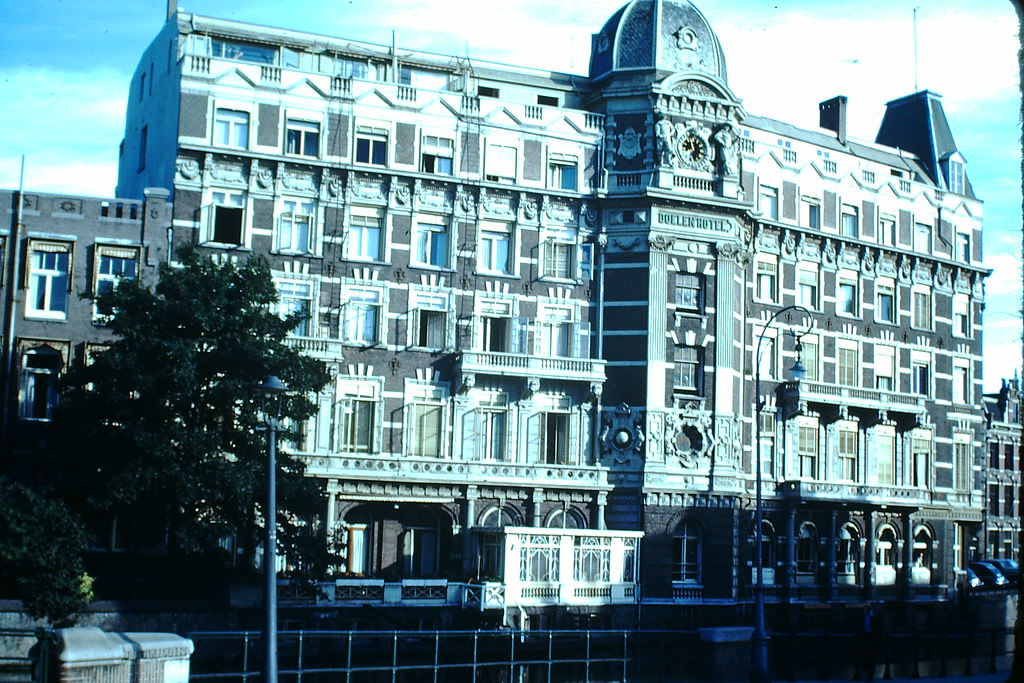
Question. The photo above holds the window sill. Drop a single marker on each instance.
(45, 315)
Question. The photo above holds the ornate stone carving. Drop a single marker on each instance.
(660, 242)
(621, 432)
(688, 436)
(403, 194)
(188, 169)
(264, 178)
(589, 215)
(733, 252)
(629, 143)
(466, 201)
(334, 187)
(295, 179)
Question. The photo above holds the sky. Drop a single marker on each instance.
(65, 68)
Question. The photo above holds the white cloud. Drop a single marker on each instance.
(71, 125)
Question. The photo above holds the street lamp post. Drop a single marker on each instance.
(272, 388)
(759, 670)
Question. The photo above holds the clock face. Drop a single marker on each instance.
(694, 147)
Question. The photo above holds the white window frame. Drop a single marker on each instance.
(298, 296)
(808, 284)
(296, 226)
(885, 367)
(371, 146)
(302, 137)
(558, 258)
(886, 287)
(849, 221)
(848, 295)
(501, 163)
(111, 265)
(231, 128)
(437, 155)
(887, 231)
(923, 238)
(364, 309)
(766, 280)
(426, 400)
(357, 416)
(961, 382)
(848, 355)
(768, 201)
(811, 212)
(922, 313)
(227, 200)
(962, 316)
(364, 225)
(427, 307)
(496, 238)
(49, 280)
(563, 172)
(425, 247)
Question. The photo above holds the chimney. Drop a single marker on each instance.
(832, 115)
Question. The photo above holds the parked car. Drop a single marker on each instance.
(1009, 567)
(989, 574)
(972, 580)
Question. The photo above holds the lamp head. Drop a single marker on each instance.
(272, 386)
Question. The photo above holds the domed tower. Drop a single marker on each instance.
(665, 35)
(659, 75)
(675, 227)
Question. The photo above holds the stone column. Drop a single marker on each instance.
(468, 520)
(830, 557)
(657, 293)
(790, 573)
(869, 553)
(536, 498)
(907, 573)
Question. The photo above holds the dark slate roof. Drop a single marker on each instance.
(917, 123)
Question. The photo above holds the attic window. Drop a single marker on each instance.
(488, 91)
(956, 177)
(547, 100)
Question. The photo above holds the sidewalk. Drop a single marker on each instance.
(1000, 677)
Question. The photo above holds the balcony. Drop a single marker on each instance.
(522, 365)
(318, 347)
(854, 397)
(376, 467)
(864, 494)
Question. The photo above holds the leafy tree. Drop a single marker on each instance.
(41, 545)
(164, 426)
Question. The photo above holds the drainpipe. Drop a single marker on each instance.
(10, 310)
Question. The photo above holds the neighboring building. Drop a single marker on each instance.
(1003, 471)
(53, 249)
(541, 294)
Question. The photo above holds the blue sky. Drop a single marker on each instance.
(65, 66)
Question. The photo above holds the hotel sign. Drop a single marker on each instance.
(694, 222)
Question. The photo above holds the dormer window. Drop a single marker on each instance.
(955, 176)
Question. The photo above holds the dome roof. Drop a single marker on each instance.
(668, 35)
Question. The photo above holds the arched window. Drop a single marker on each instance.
(769, 559)
(848, 554)
(886, 551)
(566, 518)
(686, 553)
(490, 541)
(806, 549)
(921, 567)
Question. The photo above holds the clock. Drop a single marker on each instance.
(693, 147)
